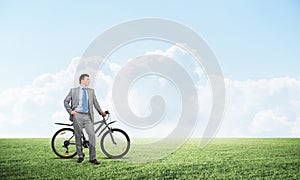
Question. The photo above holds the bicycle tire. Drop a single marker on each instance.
(123, 150)
(55, 142)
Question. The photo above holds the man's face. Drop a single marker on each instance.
(85, 81)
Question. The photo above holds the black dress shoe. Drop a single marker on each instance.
(80, 160)
(94, 161)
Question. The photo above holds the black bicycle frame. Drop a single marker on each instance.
(103, 122)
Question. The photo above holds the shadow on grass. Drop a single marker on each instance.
(75, 158)
(113, 158)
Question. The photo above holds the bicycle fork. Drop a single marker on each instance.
(112, 138)
(109, 129)
(110, 133)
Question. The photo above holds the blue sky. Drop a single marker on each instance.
(252, 39)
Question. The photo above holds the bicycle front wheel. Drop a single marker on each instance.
(115, 143)
(63, 143)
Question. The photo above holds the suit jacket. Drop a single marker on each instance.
(73, 97)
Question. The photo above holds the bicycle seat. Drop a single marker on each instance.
(64, 124)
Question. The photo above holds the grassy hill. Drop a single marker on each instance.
(222, 159)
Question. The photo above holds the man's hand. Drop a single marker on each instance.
(73, 112)
(103, 114)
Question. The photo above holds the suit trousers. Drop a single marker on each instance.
(80, 121)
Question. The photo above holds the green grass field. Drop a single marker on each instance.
(222, 159)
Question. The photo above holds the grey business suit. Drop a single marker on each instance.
(73, 97)
(83, 120)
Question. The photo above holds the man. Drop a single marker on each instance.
(81, 113)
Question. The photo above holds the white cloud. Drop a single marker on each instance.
(2, 117)
(262, 108)
(254, 108)
(295, 127)
(114, 67)
(162, 81)
(59, 115)
(28, 110)
(266, 121)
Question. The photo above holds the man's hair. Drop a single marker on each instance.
(82, 77)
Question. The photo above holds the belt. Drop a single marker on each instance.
(83, 112)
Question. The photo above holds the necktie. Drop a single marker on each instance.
(84, 101)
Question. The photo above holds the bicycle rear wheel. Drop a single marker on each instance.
(63, 143)
(118, 149)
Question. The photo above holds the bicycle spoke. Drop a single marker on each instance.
(63, 143)
(115, 144)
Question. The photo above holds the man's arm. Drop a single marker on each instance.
(67, 102)
(97, 106)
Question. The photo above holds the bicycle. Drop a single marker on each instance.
(114, 143)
